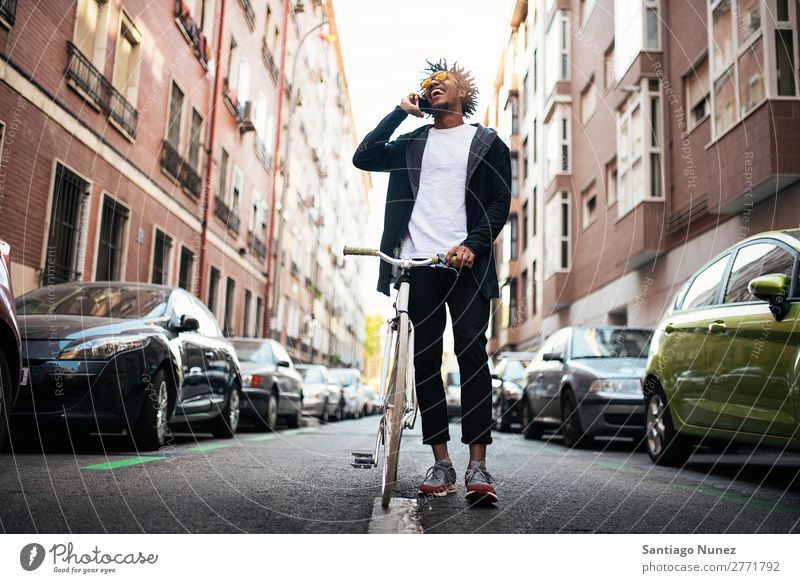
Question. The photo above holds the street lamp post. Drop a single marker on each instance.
(274, 297)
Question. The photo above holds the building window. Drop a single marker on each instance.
(525, 162)
(636, 28)
(556, 66)
(523, 304)
(639, 160)
(722, 31)
(534, 207)
(534, 289)
(91, 30)
(174, 116)
(248, 297)
(512, 107)
(526, 90)
(652, 28)
(611, 182)
(514, 235)
(66, 227)
(127, 59)
(186, 270)
(784, 62)
(588, 101)
(222, 186)
(195, 140)
(513, 317)
(505, 312)
(557, 137)
(557, 231)
(525, 232)
(589, 207)
(237, 185)
(586, 8)
(162, 247)
(608, 66)
(514, 174)
(259, 316)
(213, 289)
(111, 241)
(535, 133)
(230, 291)
(697, 94)
(725, 102)
(535, 65)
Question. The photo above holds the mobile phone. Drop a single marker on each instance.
(424, 105)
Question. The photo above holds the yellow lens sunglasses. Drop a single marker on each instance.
(440, 76)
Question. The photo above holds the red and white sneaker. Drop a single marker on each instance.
(480, 485)
(440, 480)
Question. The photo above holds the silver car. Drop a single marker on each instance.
(349, 379)
(322, 394)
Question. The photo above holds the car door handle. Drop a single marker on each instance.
(669, 328)
(717, 327)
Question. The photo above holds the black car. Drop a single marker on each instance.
(587, 382)
(272, 386)
(11, 371)
(113, 357)
(508, 380)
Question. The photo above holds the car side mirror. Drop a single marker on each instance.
(772, 288)
(553, 356)
(188, 324)
(284, 363)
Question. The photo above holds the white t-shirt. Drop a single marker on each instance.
(439, 218)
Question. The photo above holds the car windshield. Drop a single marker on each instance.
(610, 343)
(313, 375)
(253, 351)
(515, 370)
(102, 301)
(346, 378)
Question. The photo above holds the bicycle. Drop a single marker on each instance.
(398, 400)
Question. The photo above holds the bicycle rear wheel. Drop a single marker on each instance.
(395, 411)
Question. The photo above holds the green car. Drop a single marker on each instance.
(724, 363)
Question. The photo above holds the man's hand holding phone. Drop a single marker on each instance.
(411, 104)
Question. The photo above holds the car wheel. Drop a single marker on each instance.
(664, 445)
(530, 428)
(500, 421)
(269, 420)
(5, 397)
(227, 422)
(296, 420)
(150, 431)
(571, 427)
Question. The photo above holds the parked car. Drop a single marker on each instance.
(112, 356)
(723, 364)
(349, 378)
(272, 387)
(369, 405)
(11, 372)
(508, 377)
(452, 389)
(587, 382)
(322, 393)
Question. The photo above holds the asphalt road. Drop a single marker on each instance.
(300, 481)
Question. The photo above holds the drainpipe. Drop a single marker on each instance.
(212, 123)
(275, 169)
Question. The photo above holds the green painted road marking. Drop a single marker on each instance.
(619, 467)
(124, 462)
(266, 437)
(745, 500)
(208, 447)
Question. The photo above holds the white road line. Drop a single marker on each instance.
(402, 517)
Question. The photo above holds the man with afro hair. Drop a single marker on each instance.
(449, 192)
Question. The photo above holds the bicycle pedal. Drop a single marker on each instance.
(362, 459)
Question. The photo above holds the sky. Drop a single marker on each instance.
(384, 45)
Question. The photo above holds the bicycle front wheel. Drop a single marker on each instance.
(395, 411)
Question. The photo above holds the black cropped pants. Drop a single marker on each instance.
(431, 289)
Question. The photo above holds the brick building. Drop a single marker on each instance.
(648, 136)
(106, 118)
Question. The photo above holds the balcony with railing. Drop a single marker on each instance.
(191, 29)
(227, 215)
(269, 59)
(179, 169)
(247, 6)
(8, 11)
(256, 245)
(84, 76)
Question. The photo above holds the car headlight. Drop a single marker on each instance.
(627, 386)
(511, 390)
(103, 348)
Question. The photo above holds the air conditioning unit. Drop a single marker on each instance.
(244, 116)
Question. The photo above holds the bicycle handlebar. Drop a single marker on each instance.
(436, 260)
